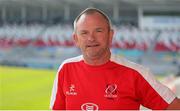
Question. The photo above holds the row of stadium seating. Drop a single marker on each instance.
(126, 37)
(143, 39)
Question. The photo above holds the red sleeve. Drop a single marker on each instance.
(152, 93)
(58, 97)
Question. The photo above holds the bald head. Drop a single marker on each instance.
(91, 11)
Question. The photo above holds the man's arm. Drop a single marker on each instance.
(174, 105)
(58, 98)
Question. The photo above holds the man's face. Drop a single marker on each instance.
(93, 35)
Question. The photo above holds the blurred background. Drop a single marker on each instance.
(35, 37)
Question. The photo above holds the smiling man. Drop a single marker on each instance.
(93, 36)
(99, 80)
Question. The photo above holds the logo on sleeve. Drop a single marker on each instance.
(71, 90)
(111, 91)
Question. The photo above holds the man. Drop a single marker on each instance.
(99, 80)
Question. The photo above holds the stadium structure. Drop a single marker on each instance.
(37, 33)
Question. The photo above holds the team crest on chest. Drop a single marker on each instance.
(111, 91)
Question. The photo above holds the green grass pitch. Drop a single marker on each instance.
(25, 89)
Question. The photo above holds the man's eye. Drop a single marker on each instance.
(83, 33)
(99, 30)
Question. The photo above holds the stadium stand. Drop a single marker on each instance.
(168, 40)
(126, 37)
(36, 35)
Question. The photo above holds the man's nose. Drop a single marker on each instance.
(91, 37)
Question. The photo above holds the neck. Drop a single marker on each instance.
(97, 60)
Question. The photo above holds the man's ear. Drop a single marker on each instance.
(111, 34)
(75, 38)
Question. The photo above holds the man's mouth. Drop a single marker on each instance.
(94, 45)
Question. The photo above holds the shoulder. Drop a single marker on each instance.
(142, 70)
(73, 59)
(70, 60)
(144, 75)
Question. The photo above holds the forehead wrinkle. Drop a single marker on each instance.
(84, 19)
